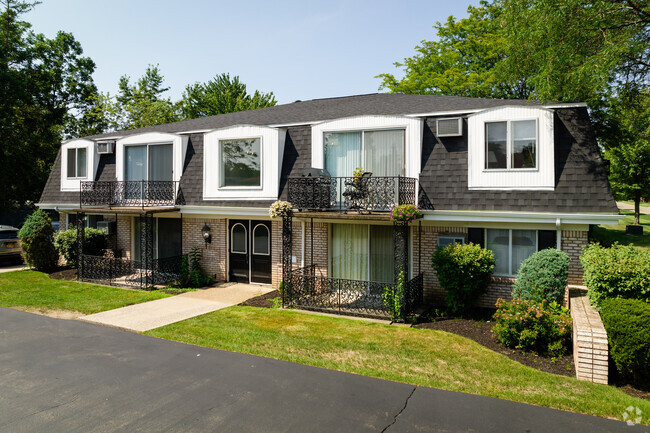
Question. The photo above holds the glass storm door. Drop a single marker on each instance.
(250, 251)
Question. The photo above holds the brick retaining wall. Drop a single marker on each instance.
(590, 347)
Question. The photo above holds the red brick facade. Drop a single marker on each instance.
(214, 254)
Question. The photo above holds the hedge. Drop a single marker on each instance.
(616, 272)
(95, 241)
(627, 322)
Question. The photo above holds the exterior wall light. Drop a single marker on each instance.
(206, 234)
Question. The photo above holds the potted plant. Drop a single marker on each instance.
(281, 209)
(405, 213)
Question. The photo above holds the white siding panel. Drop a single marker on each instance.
(179, 149)
(92, 162)
(540, 178)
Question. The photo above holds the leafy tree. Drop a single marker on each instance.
(139, 105)
(462, 61)
(221, 95)
(627, 136)
(577, 49)
(45, 90)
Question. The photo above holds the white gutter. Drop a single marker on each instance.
(522, 217)
(225, 210)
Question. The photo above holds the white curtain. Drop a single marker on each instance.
(342, 153)
(350, 251)
(160, 162)
(498, 241)
(382, 255)
(384, 152)
(524, 245)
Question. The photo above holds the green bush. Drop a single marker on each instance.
(464, 272)
(616, 272)
(627, 322)
(192, 274)
(36, 240)
(393, 297)
(541, 327)
(65, 241)
(543, 276)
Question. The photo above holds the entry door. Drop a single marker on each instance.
(250, 251)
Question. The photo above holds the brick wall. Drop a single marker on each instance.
(214, 260)
(572, 243)
(124, 227)
(320, 248)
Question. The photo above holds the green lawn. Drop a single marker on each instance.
(609, 234)
(416, 356)
(31, 289)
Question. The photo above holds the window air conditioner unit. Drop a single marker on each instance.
(105, 147)
(449, 127)
(107, 227)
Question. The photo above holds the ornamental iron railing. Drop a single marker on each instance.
(306, 290)
(129, 193)
(342, 194)
(129, 273)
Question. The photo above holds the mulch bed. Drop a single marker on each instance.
(66, 274)
(262, 301)
(478, 327)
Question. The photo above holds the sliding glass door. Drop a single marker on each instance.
(150, 162)
(362, 252)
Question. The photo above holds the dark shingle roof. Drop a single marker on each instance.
(330, 108)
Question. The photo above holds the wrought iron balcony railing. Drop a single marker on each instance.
(308, 290)
(129, 193)
(371, 194)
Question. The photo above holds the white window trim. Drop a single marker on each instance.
(268, 240)
(510, 274)
(76, 165)
(509, 167)
(92, 161)
(453, 238)
(148, 145)
(220, 162)
(271, 154)
(541, 178)
(179, 149)
(412, 137)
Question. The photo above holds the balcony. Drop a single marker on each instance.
(342, 194)
(129, 193)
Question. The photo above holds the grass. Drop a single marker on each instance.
(36, 290)
(608, 234)
(416, 356)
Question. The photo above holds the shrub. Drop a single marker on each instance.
(464, 272)
(543, 276)
(192, 274)
(627, 322)
(616, 272)
(393, 297)
(36, 239)
(95, 242)
(541, 327)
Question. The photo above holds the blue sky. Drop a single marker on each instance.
(296, 49)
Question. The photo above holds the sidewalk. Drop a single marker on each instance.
(161, 312)
(643, 209)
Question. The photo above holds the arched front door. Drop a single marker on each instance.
(249, 251)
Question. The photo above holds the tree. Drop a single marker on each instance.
(628, 150)
(462, 61)
(36, 241)
(221, 95)
(141, 104)
(577, 50)
(45, 89)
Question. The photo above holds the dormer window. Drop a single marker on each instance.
(240, 162)
(77, 165)
(511, 144)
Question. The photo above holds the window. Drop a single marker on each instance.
(238, 239)
(510, 248)
(443, 241)
(379, 152)
(240, 162)
(77, 162)
(362, 252)
(261, 240)
(511, 144)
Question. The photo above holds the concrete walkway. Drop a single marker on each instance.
(154, 314)
(643, 209)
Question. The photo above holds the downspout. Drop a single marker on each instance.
(302, 244)
(558, 233)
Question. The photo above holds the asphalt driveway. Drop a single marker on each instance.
(71, 376)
